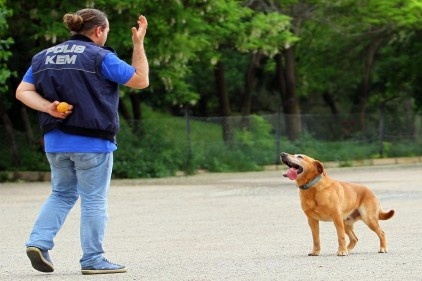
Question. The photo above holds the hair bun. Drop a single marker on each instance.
(73, 22)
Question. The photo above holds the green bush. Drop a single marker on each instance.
(30, 158)
(252, 147)
(226, 158)
(161, 148)
(148, 155)
(257, 141)
(405, 149)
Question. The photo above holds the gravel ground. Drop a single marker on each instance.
(241, 226)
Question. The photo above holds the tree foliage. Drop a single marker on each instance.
(328, 35)
(5, 44)
(241, 57)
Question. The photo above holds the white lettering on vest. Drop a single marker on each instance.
(61, 59)
(57, 58)
(66, 49)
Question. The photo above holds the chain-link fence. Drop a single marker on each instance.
(263, 137)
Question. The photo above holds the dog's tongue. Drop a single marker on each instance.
(291, 173)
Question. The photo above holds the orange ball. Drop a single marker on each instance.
(63, 107)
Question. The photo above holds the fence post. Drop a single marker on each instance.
(188, 140)
(277, 136)
(381, 129)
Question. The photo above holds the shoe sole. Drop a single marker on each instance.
(103, 271)
(38, 261)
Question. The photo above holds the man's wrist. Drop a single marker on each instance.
(138, 45)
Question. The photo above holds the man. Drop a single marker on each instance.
(79, 143)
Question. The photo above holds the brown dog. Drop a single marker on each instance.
(325, 199)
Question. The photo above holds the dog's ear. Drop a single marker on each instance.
(320, 168)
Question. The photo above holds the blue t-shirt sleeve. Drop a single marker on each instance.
(116, 70)
(28, 77)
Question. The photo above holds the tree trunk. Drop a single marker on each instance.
(329, 100)
(10, 135)
(27, 124)
(223, 98)
(124, 111)
(137, 127)
(286, 83)
(136, 106)
(280, 79)
(363, 94)
(250, 81)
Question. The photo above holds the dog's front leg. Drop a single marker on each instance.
(314, 224)
(341, 235)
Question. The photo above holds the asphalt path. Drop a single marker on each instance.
(240, 226)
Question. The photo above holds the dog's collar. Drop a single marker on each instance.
(311, 183)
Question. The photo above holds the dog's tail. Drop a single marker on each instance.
(385, 215)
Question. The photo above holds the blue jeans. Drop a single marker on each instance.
(72, 175)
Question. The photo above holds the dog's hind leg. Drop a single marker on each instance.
(348, 228)
(370, 213)
(374, 226)
(353, 239)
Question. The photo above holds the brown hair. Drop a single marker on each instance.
(83, 21)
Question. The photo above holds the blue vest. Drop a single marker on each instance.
(71, 72)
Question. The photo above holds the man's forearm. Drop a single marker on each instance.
(140, 62)
(27, 95)
(140, 79)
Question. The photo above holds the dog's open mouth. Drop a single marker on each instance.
(293, 170)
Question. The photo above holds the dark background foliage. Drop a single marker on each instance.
(355, 65)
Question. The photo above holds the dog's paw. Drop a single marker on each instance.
(382, 250)
(313, 253)
(351, 245)
(342, 253)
